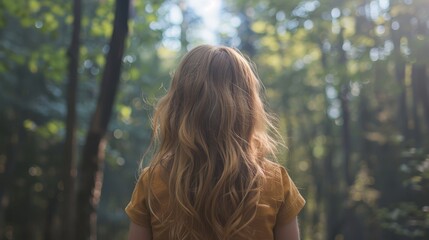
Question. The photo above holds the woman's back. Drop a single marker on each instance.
(279, 203)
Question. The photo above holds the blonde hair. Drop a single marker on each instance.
(211, 134)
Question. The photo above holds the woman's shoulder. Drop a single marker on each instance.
(154, 175)
(272, 170)
(273, 177)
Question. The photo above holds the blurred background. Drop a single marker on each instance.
(348, 80)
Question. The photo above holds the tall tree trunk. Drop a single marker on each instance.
(12, 154)
(403, 118)
(370, 231)
(50, 211)
(68, 208)
(329, 187)
(345, 111)
(422, 86)
(248, 37)
(416, 73)
(347, 216)
(184, 26)
(93, 153)
(6, 178)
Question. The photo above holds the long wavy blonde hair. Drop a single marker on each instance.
(211, 133)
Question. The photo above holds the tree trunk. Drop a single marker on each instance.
(416, 73)
(184, 26)
(422, 87)
(93, 153)
(331, 202)
(6, 178)
(12, 155)
(329, 186)
(50, 211)
(400, 77)
(68, 208)
(403, 110)
(345, 112)
(247, 35)
(347, 216)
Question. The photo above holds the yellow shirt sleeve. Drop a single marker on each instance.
(137, 209)
(292, 203)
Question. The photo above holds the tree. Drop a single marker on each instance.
(70, 148)
(93, 154)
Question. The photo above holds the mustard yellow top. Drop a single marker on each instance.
(280, 202)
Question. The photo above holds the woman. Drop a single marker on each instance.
(210, 177)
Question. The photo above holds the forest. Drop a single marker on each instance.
(347, 79)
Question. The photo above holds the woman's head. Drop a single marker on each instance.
(214, 95)
(211, 130)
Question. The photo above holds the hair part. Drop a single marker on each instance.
(211, 134)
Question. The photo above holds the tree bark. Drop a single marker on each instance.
(93, 153)
(68, 208)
